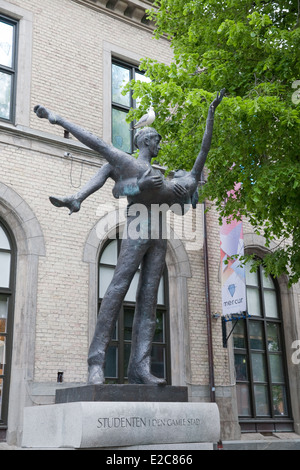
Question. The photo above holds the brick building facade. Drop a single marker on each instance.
(62, 57)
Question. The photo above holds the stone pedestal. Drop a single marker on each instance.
(122, 416)
(144, 393)
(96, 425)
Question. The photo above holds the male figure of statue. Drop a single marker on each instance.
(136, 179)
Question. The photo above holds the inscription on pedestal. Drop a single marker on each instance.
(138, 422)
(117, 424)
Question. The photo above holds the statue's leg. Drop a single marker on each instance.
(73, 202)
(45, 113)
(131, 254)
(139, 368)
(115, 157)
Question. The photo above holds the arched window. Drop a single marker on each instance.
(6, 318)
(262, 386)
(119, 350)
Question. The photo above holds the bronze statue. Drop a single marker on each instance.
(143, 185)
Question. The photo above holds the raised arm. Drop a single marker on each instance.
(206, 141)
(114, 156)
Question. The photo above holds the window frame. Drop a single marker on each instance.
(269, 422)
(9, 292)
(133, 70)
(12, 71)
(119, 341)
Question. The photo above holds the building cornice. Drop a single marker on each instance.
(130, 11)
(48, 144)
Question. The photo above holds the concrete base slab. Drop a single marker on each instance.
(190, 446)
(98, 425)
(262, 444)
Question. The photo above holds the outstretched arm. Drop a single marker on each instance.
(206, 141)
(114, 156)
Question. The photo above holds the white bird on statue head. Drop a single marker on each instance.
(147, 119)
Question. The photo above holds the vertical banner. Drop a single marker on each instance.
(232, 271)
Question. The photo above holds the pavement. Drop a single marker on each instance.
(248, 441)
(270, 441)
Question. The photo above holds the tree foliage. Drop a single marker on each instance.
(251, 48)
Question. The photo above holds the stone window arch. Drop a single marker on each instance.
(27, 234)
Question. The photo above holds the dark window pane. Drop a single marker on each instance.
(258, 367)
(128, 320)
(253, 302)
(111, 366)
(261, 400)
(267, 280)
(276, 368)
(241, 368)
(5, 95)
(251, 277)
(256, 335)
(3, 313)
(105, 277)
(273, 333)
(159, 329)
(158, 361)
(127, 350)
(131, 293)
(142, 78)
(121, 137)
(115, 335)
(243, 399)
(4, 242)
(5, 261)
(161, 293)
(110, 254)
(120, 76)
(270, 300)
(239, 335)
(279, 400)
(6, 44)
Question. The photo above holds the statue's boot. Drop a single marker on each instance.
(96, 374)
(139, 367)
(71, 202)
(97, 352)
(139, 373)
(96, 359)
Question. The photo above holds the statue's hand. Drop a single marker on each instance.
(44, 113)
(179, 190)
(149, 182)
(218, 99)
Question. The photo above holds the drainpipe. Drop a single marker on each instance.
(208, 311)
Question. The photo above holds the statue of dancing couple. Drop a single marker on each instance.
(141, 184)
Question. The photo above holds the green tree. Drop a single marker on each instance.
(251, 48)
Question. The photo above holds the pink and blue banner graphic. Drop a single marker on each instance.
(232, 271)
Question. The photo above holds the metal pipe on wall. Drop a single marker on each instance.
(212, 390)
